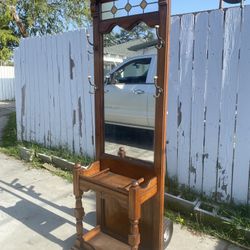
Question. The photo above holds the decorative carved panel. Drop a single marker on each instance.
(121, 8)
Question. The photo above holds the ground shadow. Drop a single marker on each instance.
(31, 192)
(90, 218)
(39, 219)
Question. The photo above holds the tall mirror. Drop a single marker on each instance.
(130, 64)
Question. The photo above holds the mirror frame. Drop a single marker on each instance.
(102, 27)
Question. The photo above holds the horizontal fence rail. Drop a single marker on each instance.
(7, 89)
(208, 127)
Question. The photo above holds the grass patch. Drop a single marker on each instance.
(207, 207)
(239, 216)
(60, 152)
(232, 234)
(10, 146)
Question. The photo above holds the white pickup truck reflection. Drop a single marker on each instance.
(129, 90)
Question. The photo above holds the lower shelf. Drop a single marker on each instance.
(97, 240)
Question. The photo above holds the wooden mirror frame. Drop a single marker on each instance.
(101, 27)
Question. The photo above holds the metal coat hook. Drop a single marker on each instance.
(159, 89)
(231, 2)
(161, 42)
(93, 85)
(107, 79)
(88, 39)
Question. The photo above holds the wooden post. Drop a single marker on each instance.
(221, 4)
(122, 152)
(134, 216)
(79, 211)
(160, 125)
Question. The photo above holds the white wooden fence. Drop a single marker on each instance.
(7, 83)
(209, 90)
(53, 103)
(209, 98)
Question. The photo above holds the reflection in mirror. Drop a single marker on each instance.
(130, 63)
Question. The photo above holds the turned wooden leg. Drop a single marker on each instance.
(79, 211)
(134, 216)
(134, 236)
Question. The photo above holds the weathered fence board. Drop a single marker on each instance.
(198, 90)
(7, 83)
(228, 102)
(29, 88)
(185, 97)
(208, 130)
(23, 104)
(61, 90)
(87, 99)
(56, 135)
(173, 88)
(32, 45)
(241, 170)
(18, 91)
(212, 100)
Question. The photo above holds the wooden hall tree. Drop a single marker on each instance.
(129, 191)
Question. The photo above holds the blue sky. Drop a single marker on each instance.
(186, 6)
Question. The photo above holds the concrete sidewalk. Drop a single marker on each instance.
(36, 211)
(36, 208)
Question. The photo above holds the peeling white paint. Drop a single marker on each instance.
(53, 104)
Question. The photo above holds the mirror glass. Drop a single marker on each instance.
(130, 64)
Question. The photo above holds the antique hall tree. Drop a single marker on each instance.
(129, 189)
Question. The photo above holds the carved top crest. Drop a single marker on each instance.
(126, 14)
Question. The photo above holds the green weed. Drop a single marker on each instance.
(10, 146)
